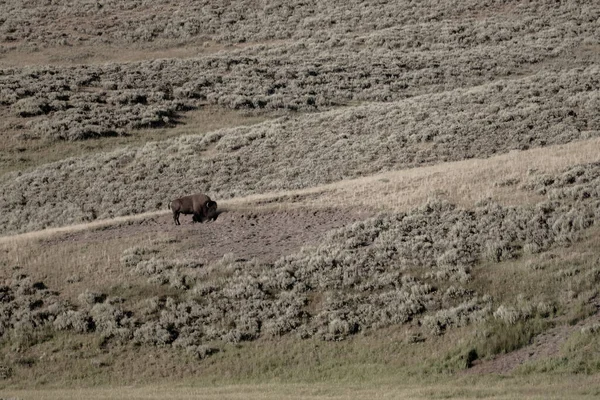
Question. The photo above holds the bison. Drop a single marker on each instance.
(199, 204)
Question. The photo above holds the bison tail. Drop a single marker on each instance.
(170, 205)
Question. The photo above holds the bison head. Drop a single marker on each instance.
(210, 209)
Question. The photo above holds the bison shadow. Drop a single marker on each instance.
(201, 220)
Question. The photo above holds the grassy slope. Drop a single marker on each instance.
(19, 155)
(497, 388)
(460, 182)
(381, 363)
(306, 150)
(384, 362)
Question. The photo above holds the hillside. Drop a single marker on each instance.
(408, 194)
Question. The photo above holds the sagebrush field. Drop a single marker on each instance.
(409, 199)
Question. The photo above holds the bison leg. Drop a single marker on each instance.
(176, 218)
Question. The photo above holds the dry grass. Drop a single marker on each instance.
(314, 72)
(68, 23)
(381, 363)
(490, 106)
(15, 240)
(98, 54)
(563, 276)
(306, 151)
(374, 361)
(391, 270)
(18, 154)
(49, 256)
(92, 265)
(462, 182)
(535, 387)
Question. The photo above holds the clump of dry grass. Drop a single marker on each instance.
(75, 321)
(28, 310)
(469, 312)
(26, 307)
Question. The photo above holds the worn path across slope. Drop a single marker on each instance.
(463, 182)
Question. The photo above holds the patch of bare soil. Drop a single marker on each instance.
(265, 235)
(545, 345)
(269, 235)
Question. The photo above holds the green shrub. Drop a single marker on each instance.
(500, 337)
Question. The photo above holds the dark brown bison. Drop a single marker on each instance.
(199, 204)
